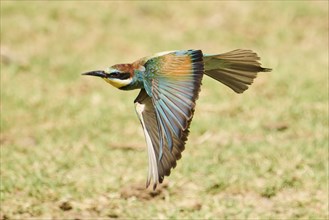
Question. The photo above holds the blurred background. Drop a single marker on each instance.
(72, 146)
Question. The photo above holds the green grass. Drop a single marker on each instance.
(72, 146)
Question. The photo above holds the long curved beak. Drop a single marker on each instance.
(98, 73)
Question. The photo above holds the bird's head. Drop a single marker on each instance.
(118, 75)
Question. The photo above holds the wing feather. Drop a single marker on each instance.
(172, 84)
(179, 103)
(180, 116)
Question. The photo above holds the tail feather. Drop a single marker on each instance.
(236, 69)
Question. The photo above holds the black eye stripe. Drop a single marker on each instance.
(114, 74)
(119, 75)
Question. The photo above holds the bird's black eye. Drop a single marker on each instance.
(114, 74)
(119, 75)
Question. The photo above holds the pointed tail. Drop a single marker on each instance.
(236, 69)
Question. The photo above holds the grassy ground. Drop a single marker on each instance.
(72, 146)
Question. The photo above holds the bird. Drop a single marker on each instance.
(169, 84)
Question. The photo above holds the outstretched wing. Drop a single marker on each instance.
(166, 106)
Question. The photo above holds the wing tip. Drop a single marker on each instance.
(148, 182)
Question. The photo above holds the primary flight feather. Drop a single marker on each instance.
(169, 84)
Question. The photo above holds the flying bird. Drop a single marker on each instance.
(169, 84)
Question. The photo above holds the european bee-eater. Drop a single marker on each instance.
(169, 84)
